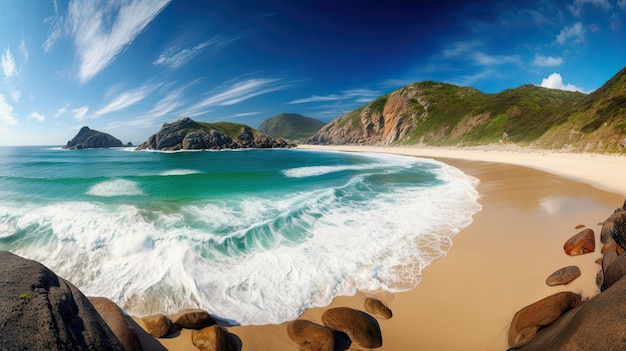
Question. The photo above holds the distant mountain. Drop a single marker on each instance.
(92, 139)
(187, 134)
(291, 126)
(443, 114)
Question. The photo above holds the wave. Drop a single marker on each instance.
(177, 172)
(313, 171)
(115, 187)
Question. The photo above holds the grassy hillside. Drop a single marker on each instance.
(290, 126)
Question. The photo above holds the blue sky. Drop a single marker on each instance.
(127, 66)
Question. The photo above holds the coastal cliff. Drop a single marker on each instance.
(92, 139)
(187, 134)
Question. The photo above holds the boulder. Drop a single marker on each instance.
(614, 268)
(530, 319)
(609, 245)
(41, 311)
(158, 325)
(582, 243)
(310, 336)
(377, 308)
(213, 338)
(580, 226)
(115, 319)
(598, 324)
(360, 327)
(618, 231)
(563, 276)
(192, 319)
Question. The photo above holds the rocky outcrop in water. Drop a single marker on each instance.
(187, 134)
(41, 311)
(92, 139)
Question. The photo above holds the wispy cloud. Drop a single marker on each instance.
(358, 95)
(16, 94)
(37, 116)
(238, 115)
(80, 113)
(61, 111)
(574, 34)
(546, 61)
(471, 79)
(175, 57)
(621, 4)
(97, 42)
(469, 51)
(7, 118)
(555, 81)
(125, 99)
(55, 32)
(8, 64)
(576, 7)
(23, 50)
(237, 93)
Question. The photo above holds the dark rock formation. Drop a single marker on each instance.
(563, 276)
(115, 319)
(581, 243)
(158, 325)
(92, 139)
(360, 327)
(614, 268)
(618, 231)
(187, 134)
(192, 319)
(607, 226)
(598, 324)
(310, 336)
(41, 311)
(530, 319)
(377, 308)
(213, 338)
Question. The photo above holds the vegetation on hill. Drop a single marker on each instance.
(291, 126)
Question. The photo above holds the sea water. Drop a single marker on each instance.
(252, 236)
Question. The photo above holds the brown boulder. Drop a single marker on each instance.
(530, 319)
(213, 338)
(310, 336)
(192, 319)
(360, 327)
(158, 325)
(607, 225)
(563, 276)
(614, 268)
(377, 308)
(618, 231)
(580, 226)
(581, 243)
(113, 316)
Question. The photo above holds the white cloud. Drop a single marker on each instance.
(546, 61)
(468, 51)
(8, 64)
(6, 113)
(36, 116)
(102, 30)
(175, 57)
(488, 60)
(555, 81)
(61, 111)
(23, 50)
(125, 99)
(576, 7)
(574, 33)
(54, 33)
(80, 113)
(15, 94)
(238, 92)
(360, 95)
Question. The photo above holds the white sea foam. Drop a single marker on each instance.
(115, 187)
(313, 171)
(177, 172)
(236, 258)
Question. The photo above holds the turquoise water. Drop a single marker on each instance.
(253, 236)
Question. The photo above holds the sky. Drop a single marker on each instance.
(125, 67)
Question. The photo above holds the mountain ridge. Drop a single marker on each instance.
(291, 126)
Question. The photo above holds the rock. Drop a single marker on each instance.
(582, 243)
(614, 268)
(310, 336)
(360, 327)
(213, 338)
(618, 232)
(377, 308)
(114, 318)
(607, 226)
(92, 139)
(580, 226)
(192, 319)
(41, 311)
(563, 276)
(530, 319)
(158, 325)
(600, 278)
(598, 324)
(598, 261)
(609, 245)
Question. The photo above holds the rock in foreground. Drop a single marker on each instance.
(41, 311)
(582, 243)
(360, 327)
(310, 336)
(92, 139)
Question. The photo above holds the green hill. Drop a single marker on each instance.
(290, 126)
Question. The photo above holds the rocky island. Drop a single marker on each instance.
(187, 134)
(92, 139)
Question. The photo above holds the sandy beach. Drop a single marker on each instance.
(532, 202)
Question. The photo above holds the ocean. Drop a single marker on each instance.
(252, 236)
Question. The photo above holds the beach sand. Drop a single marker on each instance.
(498, 264)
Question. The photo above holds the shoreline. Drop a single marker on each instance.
(496, 265)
